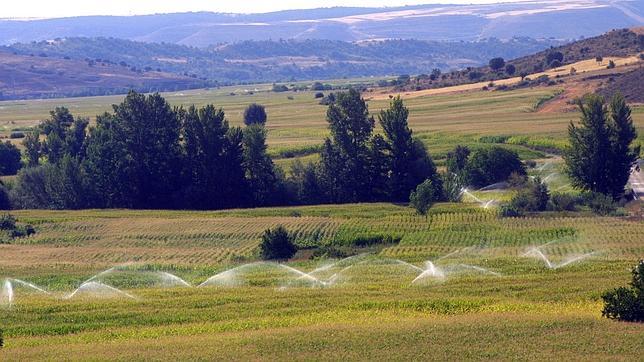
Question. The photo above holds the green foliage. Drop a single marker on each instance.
(599, 203)
(563, 202)
(280, 88)
(452, 186)
(491, 165)
(408, 161)
(611, 64)
(7, 222)
(457, 159)
(425, 195)
(627, 304)
(510, 69)
(600, 156)
(255, 114)
(497, 64)
(9, 159)
(277, 244)
(258, 166)
(5, 201)
(533, 196)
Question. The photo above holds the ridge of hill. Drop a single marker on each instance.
(616, 43)
(244, 62)
(543, 19)
(24, 77)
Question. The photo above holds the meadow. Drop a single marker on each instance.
(523, 306)
(297, 123)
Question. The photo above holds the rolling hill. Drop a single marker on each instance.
(542, 19)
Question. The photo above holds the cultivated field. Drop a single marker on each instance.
(496, 288)
(518, 307)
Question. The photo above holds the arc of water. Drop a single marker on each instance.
(30, 285)
(430, 270)
(174, 278)
(574, 259)
(99, 285)
(479, 269)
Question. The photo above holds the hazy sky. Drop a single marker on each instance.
(62, 8)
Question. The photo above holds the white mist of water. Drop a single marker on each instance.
(7, 294)
(30, 286)
(430, 271)
(536, 252)
(98, 289)
(484, 204)
(171, 279)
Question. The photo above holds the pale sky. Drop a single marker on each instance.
(64, 8)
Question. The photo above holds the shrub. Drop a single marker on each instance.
(254, 114)
(517, 180)
(599, 203)
(627, 304)
(9, 159)
(531, 163)
(1, 339)
(509, 211)
(496, 63)
(17, 134)
(424, 196)
(452, 187)
(277, 244)
(563, 202)
(5, 202)
(491, 165)
(280, 88)
(533, 197)
(362, 240)
(7, 222)
(611, 64)
(319, 95)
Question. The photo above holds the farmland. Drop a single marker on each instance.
(525, 309)
(515, 306)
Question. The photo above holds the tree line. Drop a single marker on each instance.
(146, 154)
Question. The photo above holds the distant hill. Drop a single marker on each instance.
(537, 19)
(23, 77)
(616, 43)
(108, 65)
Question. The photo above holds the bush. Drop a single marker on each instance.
(424, 196)
(319, 95)
(611, 64)
(496, 63)
(363, 240)
(599, 203)
(277, 244)
(1, 339)
(627, 304)
(491, 165)
(17, 134)
(509, 211)
(254, 114)
(533, 197)
(452, 187)
(9, 159)
(280, 88)
(563, 202)
(7, 222)
(5, 202)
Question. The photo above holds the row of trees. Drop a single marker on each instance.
(147, 154)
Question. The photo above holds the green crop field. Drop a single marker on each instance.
(297, 122)
(460, 284)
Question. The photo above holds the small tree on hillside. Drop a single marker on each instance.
(277, 244)
(510, 69)
(627, 304)
(425, 195)
(255, 114)
(9, 159)
(599, 59)
(497, 64)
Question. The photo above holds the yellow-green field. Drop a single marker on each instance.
(527, 311)
(515, 308)
(441, 121)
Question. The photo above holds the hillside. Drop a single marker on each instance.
(23, 77)
(244, 62)
(543, 19)
(617, 43)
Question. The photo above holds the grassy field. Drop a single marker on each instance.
(297, 121)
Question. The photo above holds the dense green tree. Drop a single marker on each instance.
(5, 201)
(9, 159)
(425, 195)
(345, 157)
(255, 114)
(305, 182)
(32, 148)
(457, 159)
(496, 64)
(510, 69)
(208, 174)
(409, 164)
(277, 244)
(600, 155)
(259, 168)
(491, 165)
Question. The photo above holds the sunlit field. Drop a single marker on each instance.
(459, 284)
